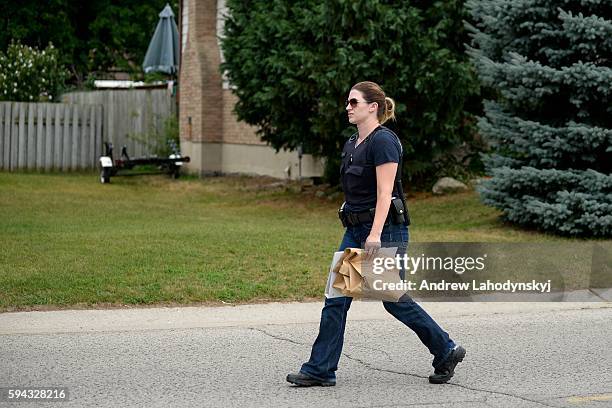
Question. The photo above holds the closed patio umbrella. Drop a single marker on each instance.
(163, 52)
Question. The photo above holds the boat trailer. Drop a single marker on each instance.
(110, 167)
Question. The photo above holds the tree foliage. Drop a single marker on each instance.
(94, 35)
(292, 63)
(550, 64)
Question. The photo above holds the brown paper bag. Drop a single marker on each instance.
(355, 276)
(348, 273)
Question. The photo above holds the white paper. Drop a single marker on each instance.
(330, 291)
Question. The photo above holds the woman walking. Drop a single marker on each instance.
(369, 167)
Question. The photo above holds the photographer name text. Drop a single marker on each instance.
(488, 285)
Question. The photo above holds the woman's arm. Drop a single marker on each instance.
(385, 178)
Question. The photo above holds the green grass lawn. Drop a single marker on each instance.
(67, 240)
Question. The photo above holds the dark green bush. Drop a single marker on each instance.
(292, 63)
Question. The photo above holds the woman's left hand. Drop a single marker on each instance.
(371, 247)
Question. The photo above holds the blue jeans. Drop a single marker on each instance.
(327, 347)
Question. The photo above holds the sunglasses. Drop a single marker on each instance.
(353, 102)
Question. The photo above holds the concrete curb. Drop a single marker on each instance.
(176, 318)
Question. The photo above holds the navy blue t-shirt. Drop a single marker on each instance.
(358, 168)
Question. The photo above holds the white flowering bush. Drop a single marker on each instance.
(30, 75)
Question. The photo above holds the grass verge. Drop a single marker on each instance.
(67, 240)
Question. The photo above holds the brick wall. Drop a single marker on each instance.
(233, 130)
(201, 97)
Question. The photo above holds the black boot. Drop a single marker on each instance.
(304, 380)
(445, 372)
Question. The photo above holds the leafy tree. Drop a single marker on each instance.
(549, 62)
(292, 64)
(94, 35)
(121, 31)
(27, 74)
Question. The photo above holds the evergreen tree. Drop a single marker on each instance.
(548, 63)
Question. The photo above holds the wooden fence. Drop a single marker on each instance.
(132, 117)
(46, 136)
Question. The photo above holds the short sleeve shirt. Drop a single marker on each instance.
(358, 168)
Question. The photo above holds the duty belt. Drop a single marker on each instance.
(353, 218)
(356, 218)
(398, 214)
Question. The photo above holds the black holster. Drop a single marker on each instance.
(399, 212)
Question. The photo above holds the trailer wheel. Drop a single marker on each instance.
(105, 175)
(175, 172)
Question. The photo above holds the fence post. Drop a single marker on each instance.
(8, 127)
(49, 136)
(40, 136)
(75, 138)
(31, 136)
(91, 132)
(14, 136)
(82, 152)
(66, 139)
(23, 141)
(99, 128)
(57, 140)
(2, 108)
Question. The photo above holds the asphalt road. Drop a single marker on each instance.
(518, 355)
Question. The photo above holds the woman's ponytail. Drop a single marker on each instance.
(389, 112)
